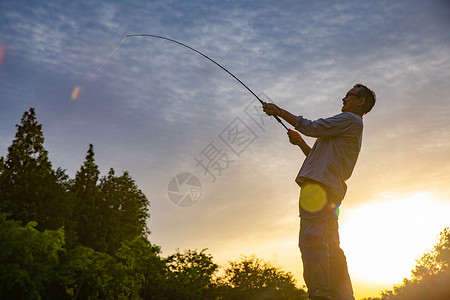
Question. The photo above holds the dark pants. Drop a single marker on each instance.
(324, 264)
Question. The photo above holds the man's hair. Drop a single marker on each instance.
(368, 94)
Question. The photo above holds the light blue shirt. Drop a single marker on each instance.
(335, 152)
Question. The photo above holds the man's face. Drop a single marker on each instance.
(351, 101)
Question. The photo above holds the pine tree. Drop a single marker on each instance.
(124, 210)
(87, 196)
(30, 188)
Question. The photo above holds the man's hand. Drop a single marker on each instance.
(294, 137)
(271, 109)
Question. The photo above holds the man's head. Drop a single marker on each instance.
(359, 100)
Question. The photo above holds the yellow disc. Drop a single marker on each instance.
(312, 197)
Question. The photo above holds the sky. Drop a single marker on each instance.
(218, 173)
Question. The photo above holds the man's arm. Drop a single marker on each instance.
(273, 110)
(296, 139)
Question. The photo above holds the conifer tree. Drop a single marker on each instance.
(124, 210)
(30, 188)
(87, 196)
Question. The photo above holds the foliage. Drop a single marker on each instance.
(190, 275)
(93, 275)
(123, 210)
(437, 260)
(36, 265)
(29, 261)
(31, 190)
(252, 278)
(145, 270)
(430, 278)
(109, 210)
(86, 238)
(87, 194)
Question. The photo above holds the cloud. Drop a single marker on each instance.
(304, 55)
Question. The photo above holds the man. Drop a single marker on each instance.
(328, 164)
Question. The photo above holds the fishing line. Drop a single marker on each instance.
(75, 94)
(106, 60)
(190, 48)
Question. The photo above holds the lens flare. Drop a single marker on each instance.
(336, 210)
(2, 52)
(312, 198)
(75, 92)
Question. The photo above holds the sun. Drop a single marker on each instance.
(382, 239)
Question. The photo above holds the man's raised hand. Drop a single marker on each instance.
(271, 109)
(294, 137)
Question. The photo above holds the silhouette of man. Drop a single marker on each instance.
(328, 164)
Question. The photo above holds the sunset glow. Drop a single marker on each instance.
(384, 237)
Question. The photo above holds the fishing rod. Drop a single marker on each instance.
(205, 56)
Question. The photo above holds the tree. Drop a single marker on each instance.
(252, 278)
(435, 261)
(123, 210)
(112, 259)
(30, 189)
(88, 197)
(430, 278)
(145, 270)
(29, 261)
(89, 274)
(3, 174)
(190, 276)
(109, 210)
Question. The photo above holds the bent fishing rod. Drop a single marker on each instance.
(205, 56)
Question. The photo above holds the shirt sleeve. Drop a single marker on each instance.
(334, 126)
